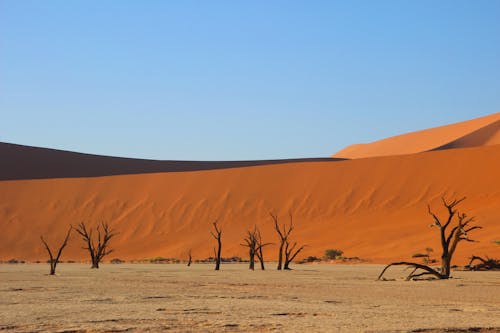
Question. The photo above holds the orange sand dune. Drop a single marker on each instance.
(373, 208)
(477, 132)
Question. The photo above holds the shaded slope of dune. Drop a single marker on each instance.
(24, 162)
(472, 133)
(485, 136)
(373, 208)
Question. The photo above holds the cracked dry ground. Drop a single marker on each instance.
(311, 298)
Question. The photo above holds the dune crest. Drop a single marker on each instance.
(371, 208)
(25, 162)
(482, 131)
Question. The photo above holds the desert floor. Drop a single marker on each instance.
(311, 298)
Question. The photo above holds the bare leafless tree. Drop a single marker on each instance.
(217, 234)
(251, 242)
(284, 248)
(101, 249)
(55, 260)
(190, 258)
(459, 232)
(259, 252)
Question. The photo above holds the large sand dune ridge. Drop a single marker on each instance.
(483, 131)
(374, 208)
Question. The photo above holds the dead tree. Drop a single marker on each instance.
(55, 260)
(259, 250)
(251, 242)
(217, 235)
(101, 249)
(291, 253)
(190, 258)
(283, 234)
(459, 232)
(484, 264)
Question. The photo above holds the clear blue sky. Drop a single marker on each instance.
(211, 80)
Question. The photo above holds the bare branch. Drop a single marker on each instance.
(473, 228)
(47, 248)
(55, 261)
(412, 264)
(65, 242)
(436, 219)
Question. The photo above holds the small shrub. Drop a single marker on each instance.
(117, 261)
(158, 260)
(419, 255)
(497, 241)
(309, 260)
(162, 260)
(232, 259)
(333, 254)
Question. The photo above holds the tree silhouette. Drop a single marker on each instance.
(190, 258)
(101, 249)
(253, 241)
(55, 260)
(449, 241)
(284, 232)
(217, 234)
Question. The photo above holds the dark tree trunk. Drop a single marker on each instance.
(252, 260)
(259, 252)
(53, 265)
(261, 258)
(280, 255)
(190, 259)
(251, 242)
(217, 234)
(219, 250)
(445, 266)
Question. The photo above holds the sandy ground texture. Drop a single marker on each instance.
(311, 298)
